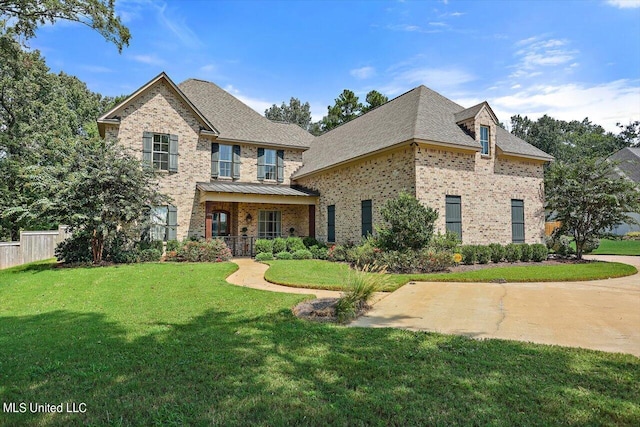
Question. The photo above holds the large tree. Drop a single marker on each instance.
(374, 100)
(21, 18)
(296, 112)
(588, 198)
(96, 187)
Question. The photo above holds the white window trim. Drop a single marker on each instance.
(273, 165)
(488, 153)
(162, 153)
(222, 161)
(262, 220)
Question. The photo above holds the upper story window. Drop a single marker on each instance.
(484, 139)
(270, 164)
(160, 150)
(226, 160)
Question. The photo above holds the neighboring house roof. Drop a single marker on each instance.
(420, 114)
(629, 162)
(263, 189)
(237, 121)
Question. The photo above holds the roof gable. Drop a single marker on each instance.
(472, 113)
(628, 162)
(111, 117)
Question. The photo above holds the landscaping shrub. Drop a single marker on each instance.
(560, 245)
(590, 245)
(284, 255)
(278, 245)
(525, 252)
(497, 252)
(407, 224)
(173, 245)
(302, 254)
(264, 256)
(483, 254)
(192, 251)
(361, 286)
(151, 244)
(338, 252)
(264, 246)
(311, 241)
(363, 254)
(512, 252)
(149, 255)
(75, 249)
(468, 254)
(295, 244)
(445, 242)
(319, 252)
(431, 261)
(399, 261)
(539, 252)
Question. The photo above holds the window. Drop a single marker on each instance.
(331, 223)
(517, 220)
(367, 218)
(269, 223)
(219, 223)
(270, 164)
(484, 139)
(225, 160)
(163, 223)
(453, 215)
(160, 151)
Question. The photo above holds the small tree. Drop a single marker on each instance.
(588, 198)
(407, 224)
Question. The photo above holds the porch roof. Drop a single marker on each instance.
(259, 193)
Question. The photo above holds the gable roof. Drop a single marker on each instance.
(629, 162)
(420, 114)
(237, 121)
(472, 112)
(110, 116)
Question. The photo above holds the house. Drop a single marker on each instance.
(232, 172)
(627, 166)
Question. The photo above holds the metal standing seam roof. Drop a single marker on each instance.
(262, 189)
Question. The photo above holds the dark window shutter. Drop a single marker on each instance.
(453, 214)
(517, 221)
(173, 153)
(367, 218)
(215, 152)
(280, 166)
(331, 223)
(260, 163)
(172, 222)
(147, 147)
(236, 162)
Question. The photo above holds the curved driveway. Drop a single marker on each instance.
(601, 314)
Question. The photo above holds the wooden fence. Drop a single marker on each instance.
(550, 227)
(33, 246)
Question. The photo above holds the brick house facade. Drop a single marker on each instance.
(232, 172)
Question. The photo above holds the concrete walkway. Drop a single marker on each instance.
(600, 314)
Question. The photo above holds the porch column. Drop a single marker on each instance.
(312, 221)
(207, 221)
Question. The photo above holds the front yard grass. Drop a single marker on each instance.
(174, 344)
(618, 247)
(316, 274)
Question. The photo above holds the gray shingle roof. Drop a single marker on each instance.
(237, 121)
(629, 162)
(419, 114)
(264, 189)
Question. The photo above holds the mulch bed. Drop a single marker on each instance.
(462, 268)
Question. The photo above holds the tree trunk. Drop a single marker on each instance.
(97, 246)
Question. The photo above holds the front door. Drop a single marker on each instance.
(219, 223)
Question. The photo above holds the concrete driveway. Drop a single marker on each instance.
(601, 315)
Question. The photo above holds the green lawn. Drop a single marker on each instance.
(317, 274)
(618, 247)
(173, 344)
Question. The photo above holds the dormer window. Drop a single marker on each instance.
(484, 140)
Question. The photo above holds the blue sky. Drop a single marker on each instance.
(568, 59)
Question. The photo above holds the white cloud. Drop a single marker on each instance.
(363, 73)
(537, 53)
(624, 4)
(258, 105)
(178, 27)
(605, 104)
(148, 59)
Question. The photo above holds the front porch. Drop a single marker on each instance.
(242, 213)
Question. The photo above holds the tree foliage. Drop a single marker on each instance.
(97, 188)
(374, 100)
(588, 198)
(407, 224)
(21, 18)
(296, 112)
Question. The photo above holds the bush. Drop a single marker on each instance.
(561, 245)
(362, 255)
(284, 255)
(497, 252)
(264, 246)
(149, 255)
(311, 241)
(399, 261)
(539, 252)
(512, 252)
(483, 254)
(295, 244)
(590, 245)
(173, 245)
(279, 245)
(361, 286)
(525, 252)
(468, 254)
(151, 244)
(407, 224)
(632, 235)
(431, 260)
(302, 254)
(445, 242)
(264, 256)
(75, 249)
(338, 252)
(319, 252)
(192, 251)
